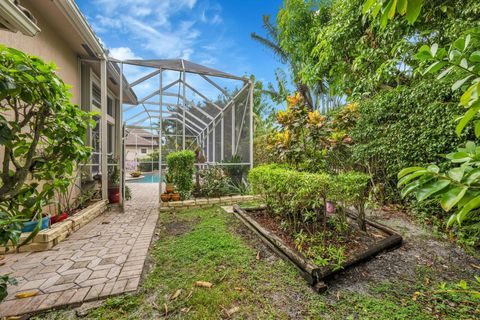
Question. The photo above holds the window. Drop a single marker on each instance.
(96, 96)
(143, 150)
(110, 107)
(110, 138)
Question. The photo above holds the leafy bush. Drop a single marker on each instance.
(301, 197)
(403, 127)
(352, 188)
(215, 182)
(181, 165)
(42, 139)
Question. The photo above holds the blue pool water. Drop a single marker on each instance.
(147, 178)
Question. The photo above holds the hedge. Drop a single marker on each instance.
(301, 196)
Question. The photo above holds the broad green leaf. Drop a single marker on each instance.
(459, 44)
(413, 10)
(467, 40)
(471, 205)
(431, 188)
(408, 170)
(467, 95)
(402, 6)
(452, 220)
(409, 188)
(473, 177)
(393, 7)
(435, 67)
(470, 147)
(433, 49)
(444, 73)
(433, 168)
(475, 56)
(456, 173)
(451, 197)
(412, 176)
(367, 5)
(460, 82)
(465, 120)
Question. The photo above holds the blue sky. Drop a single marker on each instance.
(210, 32)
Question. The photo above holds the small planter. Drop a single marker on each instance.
(165, 197)
(313, 274)
(58, 218)
(175, 197)
(30, 226)
(114, 194)
(169, 188)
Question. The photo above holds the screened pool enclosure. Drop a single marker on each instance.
(181, 105)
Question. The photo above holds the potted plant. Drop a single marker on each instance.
(113, 181)
(165, 197)
(175, 196)
(170, 187)
(29, 226)
(135, 174)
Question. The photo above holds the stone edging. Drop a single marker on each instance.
(205, 202)
(57, 232)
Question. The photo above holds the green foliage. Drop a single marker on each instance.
(352, 188)
(181, 165)
(335, 44)
(215, 182)
(457, 188)
(5, 281)
(403, 127)
(463, 60)
(386, 9)
(42, 136)
(300, 197)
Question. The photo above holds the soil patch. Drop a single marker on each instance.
(179, 227)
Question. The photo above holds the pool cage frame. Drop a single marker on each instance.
(191, 125)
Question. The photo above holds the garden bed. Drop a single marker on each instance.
(48, 238)
(359, 247)
(205, 202)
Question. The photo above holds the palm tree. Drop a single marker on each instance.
(314, 95)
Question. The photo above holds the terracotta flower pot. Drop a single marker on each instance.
(114, 194)
(175, 197)
(165, 197)
(169, 188)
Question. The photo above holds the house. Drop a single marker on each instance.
(139, 143)
(56, 30)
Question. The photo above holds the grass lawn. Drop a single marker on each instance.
(211, 245)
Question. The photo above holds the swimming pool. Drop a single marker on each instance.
(147, 178)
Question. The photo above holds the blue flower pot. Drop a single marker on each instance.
(29, 226)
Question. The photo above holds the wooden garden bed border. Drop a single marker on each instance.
(313, 274)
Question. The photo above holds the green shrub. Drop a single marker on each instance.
(215, 182)
(181, 165)
(351, 189)
(403, 127)
(302, 196)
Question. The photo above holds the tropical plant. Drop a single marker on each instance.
(42, 138)
(388, 8)
(462, 58)
(215, 182)
(181, 165)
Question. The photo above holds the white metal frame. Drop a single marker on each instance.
(200, 128)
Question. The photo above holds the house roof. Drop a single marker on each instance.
(141, 138)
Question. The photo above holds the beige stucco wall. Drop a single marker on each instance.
(50, 47)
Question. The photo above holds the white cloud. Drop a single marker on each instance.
(123, 53)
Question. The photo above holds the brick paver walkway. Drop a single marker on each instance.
(104, 258)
